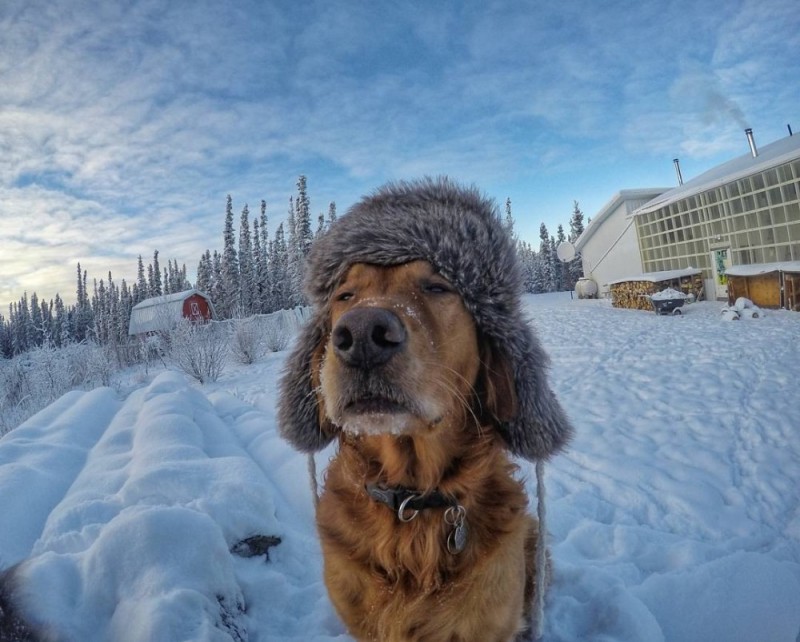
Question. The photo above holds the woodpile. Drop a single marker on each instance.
(635, 295)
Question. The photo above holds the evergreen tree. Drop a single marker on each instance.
(262, 262)
(320, 226)
(545, 263)
(246, 270)
(230, 267)
(331, 214)
(37, 328)
(575, 267)
(142, 289)
(294, 272)
(508, 224)
(305, 237)
(204, 273)
(217, 285)
(155, 286)
(279, 269)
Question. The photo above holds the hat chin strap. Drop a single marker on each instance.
(541, 552)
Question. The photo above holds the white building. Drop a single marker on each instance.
(743, 212)
(609, 247)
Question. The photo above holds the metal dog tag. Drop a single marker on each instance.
(457, 539)
(455, 516)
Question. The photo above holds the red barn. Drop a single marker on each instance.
(161, 313)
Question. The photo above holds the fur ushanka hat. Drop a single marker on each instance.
(459, 232)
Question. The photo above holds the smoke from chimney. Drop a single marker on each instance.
(678, 170)
(749, 133)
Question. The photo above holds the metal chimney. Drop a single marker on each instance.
(749, 133)
(678, 170)
(789, 126)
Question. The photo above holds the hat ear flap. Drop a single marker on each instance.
(301, 418)
(538, 427)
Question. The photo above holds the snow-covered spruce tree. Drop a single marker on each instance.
(331, 215)
(217, 287)
(204, 273)
(279, 271)
(508, 222)
(528, 261)
(82, 316)
(230, 267)
(557, 268)
(263, 278)
(545, 271)
(247, 285)
(156, 288)
(141, 292)
(575, 230)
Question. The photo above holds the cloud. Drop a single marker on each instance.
(124, 125)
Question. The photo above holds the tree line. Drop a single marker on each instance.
(254, 273)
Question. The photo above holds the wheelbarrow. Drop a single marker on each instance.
(668, 301)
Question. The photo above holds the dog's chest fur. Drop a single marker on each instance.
(391, 580)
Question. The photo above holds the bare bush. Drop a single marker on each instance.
(199, 350)
(247, 340)
(276, 337)
(38, 377)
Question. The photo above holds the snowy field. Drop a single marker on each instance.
(675, 515)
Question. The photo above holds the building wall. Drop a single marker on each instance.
(757, 218)
(612, 251)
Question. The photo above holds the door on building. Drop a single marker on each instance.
(721, 261)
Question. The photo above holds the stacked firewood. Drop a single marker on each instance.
(634, 295)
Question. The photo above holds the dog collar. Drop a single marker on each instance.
(407, 503)
(407, 499)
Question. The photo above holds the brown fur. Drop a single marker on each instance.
(397, 582)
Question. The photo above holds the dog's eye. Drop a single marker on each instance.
(436, 287)
(344, 296)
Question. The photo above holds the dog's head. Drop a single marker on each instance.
(378, 353)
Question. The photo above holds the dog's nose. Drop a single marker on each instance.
(368, 337)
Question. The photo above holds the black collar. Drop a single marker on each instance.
(398, 497)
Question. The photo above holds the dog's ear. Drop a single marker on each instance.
(513, 389)
(496, 390)
(301, 418)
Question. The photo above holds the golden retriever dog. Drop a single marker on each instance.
(420, 365)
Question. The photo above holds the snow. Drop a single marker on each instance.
(673, 516)
(668, 294)
(658, 277)
(763, 268)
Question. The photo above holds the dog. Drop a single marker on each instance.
(419, 364)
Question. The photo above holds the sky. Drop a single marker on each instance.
(124, 125)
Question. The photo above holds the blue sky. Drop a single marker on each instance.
(124, 125)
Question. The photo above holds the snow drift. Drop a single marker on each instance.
(674, 515)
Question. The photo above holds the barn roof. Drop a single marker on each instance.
(161, 312)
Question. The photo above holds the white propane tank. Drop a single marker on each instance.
(586, 288)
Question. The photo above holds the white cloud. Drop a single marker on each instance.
(135, 122)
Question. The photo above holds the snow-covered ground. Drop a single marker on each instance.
(675, 514)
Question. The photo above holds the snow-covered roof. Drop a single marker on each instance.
(781, 151)
(763, 268)
(657, 277)
(161, 312)
(644, 194)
